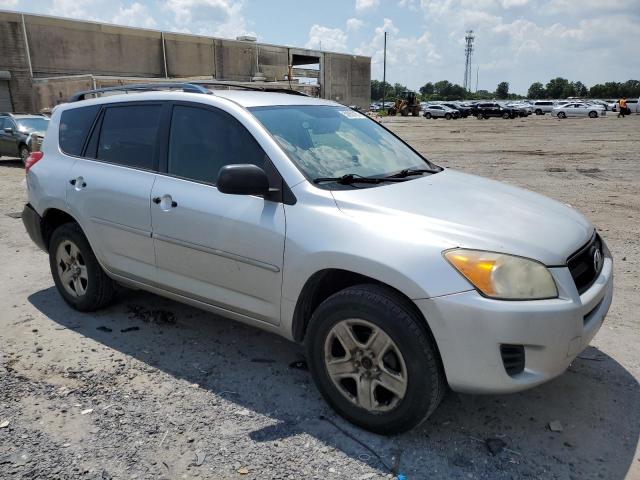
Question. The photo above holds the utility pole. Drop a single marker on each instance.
(468, 50)
(384, 72)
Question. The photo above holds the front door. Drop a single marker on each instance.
(8, 140)
(110, 192)
(226, 250)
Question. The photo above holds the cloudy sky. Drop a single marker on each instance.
(519, 41)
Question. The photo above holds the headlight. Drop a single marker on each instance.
(502, 276)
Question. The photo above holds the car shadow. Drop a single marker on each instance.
(596, 401)
(11, 162)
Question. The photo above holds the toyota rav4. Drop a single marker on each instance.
(308, 219)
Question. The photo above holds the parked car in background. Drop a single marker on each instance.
(19, 132)
(523, 109)
(492, 109)
(540, 107)
(579, 109)
(440, 111)
(464, 111)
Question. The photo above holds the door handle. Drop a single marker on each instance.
(158, 201)
(74, 181)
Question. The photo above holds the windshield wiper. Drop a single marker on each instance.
(409, 172)
(350, 178)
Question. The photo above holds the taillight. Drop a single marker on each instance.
(34, 158)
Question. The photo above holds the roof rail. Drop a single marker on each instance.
(257, 88)
(185, 87)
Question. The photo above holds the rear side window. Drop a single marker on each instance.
(128, 135)
(1, 124)
(74, 127)
(202, 141)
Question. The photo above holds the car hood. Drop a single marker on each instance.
(454, 209)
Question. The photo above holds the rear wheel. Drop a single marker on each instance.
(593, 114)
(447, 116)
(539, 112)
(373, 359)
(479, 116)
(24, 153)
(427, 115)
(562, 115)
(506, 115)
(76, 272)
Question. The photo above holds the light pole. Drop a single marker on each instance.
(384, 73)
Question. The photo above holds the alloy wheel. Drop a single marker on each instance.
(365, 365)
(72, 269)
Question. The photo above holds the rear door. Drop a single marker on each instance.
(110, 187)
(225, 250)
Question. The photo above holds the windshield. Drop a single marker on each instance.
(30, 125)
(328, 141)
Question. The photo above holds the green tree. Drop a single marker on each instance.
(427, 89)
(569, 90)
(536, 90)
(581, 89)
(555, 87)
(502, 90)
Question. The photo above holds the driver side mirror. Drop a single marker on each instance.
(243, 179)
(8, 130)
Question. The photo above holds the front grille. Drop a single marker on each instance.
(512, 358)
(584, 266)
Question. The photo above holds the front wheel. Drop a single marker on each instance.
(539, 112)
(562, 115)
(593, 114)
(479, 116)
(447, 116)
(427, 115)
(373, 360)
(506, 116)
(76, 272)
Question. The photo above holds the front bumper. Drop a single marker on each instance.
(469, 330)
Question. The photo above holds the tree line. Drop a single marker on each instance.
(555, 88)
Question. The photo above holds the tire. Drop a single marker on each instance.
(539, 112)
(24, 153)
(506, 116)
(404, 112)
(593, 114)
(562, 115)
(427, 115)
(447, 116)
(91, 289)
(372, 308)
(479, 116)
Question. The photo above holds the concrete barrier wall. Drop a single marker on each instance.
(13, 57)
(189, 56)
(63, 47)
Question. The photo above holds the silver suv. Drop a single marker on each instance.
(308, 219)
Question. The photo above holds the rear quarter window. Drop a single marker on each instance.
(74, 128)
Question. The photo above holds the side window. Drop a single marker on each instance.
(202, 141)
(128, 135)
(1, 124)
(74, 127)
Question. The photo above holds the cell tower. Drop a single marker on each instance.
(468, 51)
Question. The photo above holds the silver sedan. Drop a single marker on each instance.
(579, 109)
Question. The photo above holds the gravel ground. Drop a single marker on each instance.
(150, 388)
